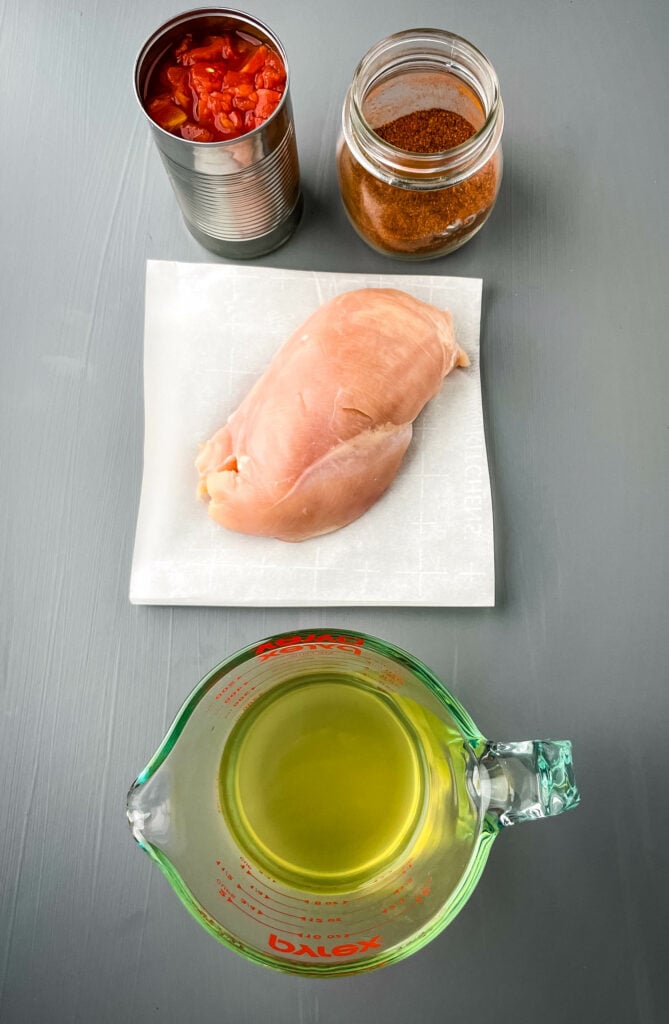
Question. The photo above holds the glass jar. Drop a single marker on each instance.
(419, 157)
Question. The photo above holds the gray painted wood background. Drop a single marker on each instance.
(568, 922)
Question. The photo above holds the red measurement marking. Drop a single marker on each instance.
(295, 916)
(241, 910)
(392, 678)
(266, 916)
(401, 871)
(366, 922)
(279, 892)
(336, 903)
(244, 696)
(224, 689)
(254, 912)
(259, 893)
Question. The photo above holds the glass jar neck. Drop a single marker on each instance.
(429, 65)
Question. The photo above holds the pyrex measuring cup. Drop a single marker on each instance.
(322, 804)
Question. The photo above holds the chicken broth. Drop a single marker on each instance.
(324, 785)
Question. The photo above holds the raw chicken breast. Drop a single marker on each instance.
(322, 433)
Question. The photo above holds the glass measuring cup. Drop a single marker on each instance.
(324, 806)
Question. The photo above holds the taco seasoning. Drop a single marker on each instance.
(419, 158)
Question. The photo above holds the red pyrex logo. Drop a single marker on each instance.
(313, 641)
(349, 949)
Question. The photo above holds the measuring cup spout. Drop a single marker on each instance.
(528, 780)
(148, 810)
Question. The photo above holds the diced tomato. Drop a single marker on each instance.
(270, 78)
(177, 79)
(268, 101)
(214, 103)
(165, 113)
(201, 111)
(233, 78)
(223, 124)
(256, 61)
(206, 77)
(276, 64)
(229, 52)
(204, 110)
(213, 51)
(215, 87)
(244, 98)
(184, 45)
(274, 61)
(196, 133)
(244, 45)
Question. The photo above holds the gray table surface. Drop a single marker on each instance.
(568, 921)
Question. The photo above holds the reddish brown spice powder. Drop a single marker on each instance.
(427, 131)
(419, 223)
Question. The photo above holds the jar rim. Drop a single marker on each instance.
(379, 64)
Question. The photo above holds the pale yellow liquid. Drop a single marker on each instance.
(323, 782)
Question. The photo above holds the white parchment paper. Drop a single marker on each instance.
(210, 330)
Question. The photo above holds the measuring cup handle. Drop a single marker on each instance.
(524, 781)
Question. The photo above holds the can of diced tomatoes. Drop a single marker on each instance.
(214, 86)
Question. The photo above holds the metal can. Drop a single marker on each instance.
(240, 198)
